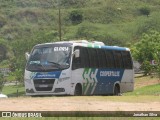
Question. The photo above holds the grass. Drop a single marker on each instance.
(14, 90)
(147, 90)
(142, 81)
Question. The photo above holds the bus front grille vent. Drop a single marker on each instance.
(43, 84)
(57, 90)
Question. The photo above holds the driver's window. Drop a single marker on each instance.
(76, 63)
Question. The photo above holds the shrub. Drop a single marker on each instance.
(146, 66)
(148, 49)
(86, 31)
(76, 17)
(145, 10)
(2, 21)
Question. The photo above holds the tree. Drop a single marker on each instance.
(19, 75)
(3, 49)
(2, 81)
(147, 67)
(148, 49)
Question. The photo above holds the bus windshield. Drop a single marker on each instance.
(49, 57)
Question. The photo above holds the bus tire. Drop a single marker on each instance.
(116, 90)
(78, 90)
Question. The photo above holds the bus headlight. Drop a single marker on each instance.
(63, 79)
(27, 81)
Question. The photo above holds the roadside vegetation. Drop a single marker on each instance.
(147, 90)
(2, 82)
(14, 90)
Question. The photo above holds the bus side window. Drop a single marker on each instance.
(118, 59)
(93, 57)
(76, 63)
(90, 57)
(110, 59)
(127, 60)
(85, 58)
(101, 58)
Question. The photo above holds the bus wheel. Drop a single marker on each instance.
(78, 90)
(116, 90)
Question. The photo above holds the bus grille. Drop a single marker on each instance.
(43, 84)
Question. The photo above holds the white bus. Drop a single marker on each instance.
(78, 68)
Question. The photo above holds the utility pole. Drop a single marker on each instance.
(59, 11)
(59, 19)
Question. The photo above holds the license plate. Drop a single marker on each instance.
(43, 86)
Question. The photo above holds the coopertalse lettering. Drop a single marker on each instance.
(110, 73)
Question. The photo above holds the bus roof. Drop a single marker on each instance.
(85, 43)
(97, 44)
(115, 48)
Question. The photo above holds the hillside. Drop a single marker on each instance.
(26, 23)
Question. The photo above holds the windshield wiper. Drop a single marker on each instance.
(57, 64)
(42, 66)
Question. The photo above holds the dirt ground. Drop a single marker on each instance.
(74, 104)
(143, 83)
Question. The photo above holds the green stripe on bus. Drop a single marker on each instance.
(88, 88)
(93, 79)
(96, 46)
(86, 70)
(90, 45)
(91, 84)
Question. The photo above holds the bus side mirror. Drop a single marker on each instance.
(27, 55)
(77, 53)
